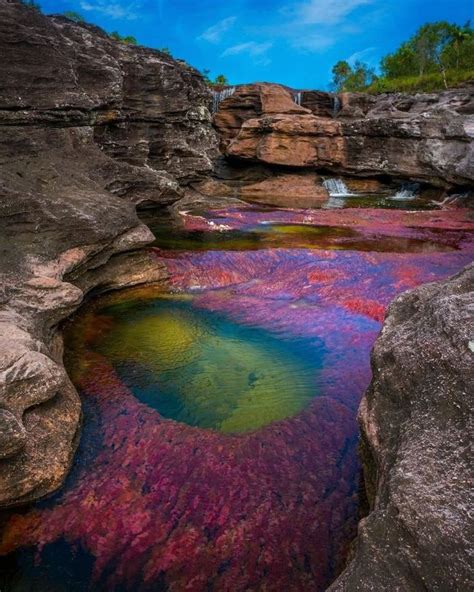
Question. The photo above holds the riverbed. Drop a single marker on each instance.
(219, 445)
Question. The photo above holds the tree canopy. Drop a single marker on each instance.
(352, 78)
(438, 55)
(219, 80)
(434, 47)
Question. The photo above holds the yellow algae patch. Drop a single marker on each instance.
(199, 367)
(164, 342)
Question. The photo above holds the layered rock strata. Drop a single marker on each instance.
(425, 137)
(89, 128)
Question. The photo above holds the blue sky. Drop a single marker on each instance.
(294, 42)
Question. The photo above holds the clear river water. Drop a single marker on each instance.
(219, 444)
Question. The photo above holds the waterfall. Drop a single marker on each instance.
(336, 106)
(336, 187)
(220, 95)
(406, 192)
(297, 98)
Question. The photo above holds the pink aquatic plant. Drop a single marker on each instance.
(161, 505)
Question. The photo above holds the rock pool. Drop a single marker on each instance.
(219, 448)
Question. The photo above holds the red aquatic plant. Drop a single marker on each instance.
(163, 505)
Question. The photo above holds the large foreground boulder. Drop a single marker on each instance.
(416, 421)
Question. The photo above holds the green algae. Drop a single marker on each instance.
(200, 368)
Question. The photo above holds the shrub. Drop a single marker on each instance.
(74, 16)
(128, 39)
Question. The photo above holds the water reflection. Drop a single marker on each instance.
(170, 235)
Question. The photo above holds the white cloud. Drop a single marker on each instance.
(115, 10)
(313, 43)
(327, 12)
(215, 33)
(250, 47)
(360, 56)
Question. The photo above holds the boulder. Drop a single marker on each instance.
(415, 420)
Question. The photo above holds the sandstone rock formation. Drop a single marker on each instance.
(425, 137)
(89, 127)
(251, 101)
(129, 126)
(415, 421)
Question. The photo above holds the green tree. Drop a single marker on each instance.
(430, 45)
(74, 16)
(352, 78)
(340, 73)
(165, 50)
(130, 40)
(401, 63)
(435, 48)
(220, 80)
(459, 53)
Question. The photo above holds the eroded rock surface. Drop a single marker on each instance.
(88, 129)
(252, 101)
(416, 419)
(129, 126)
(425, 137)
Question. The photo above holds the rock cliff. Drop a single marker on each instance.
(415, 421)
(426, 137)
(89, 127)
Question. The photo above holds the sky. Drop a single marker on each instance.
(293, 42)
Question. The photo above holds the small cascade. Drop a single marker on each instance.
(297, 96)
(336, 187)
(220, 95)
(407, 192)
(336, 105)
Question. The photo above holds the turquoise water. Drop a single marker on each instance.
(198, 367)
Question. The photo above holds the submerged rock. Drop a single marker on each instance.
(303, 190)
(415, 421)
